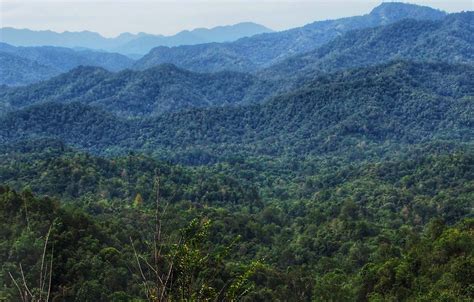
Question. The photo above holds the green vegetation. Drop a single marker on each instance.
(342, 174)
(138, 93)
(358, 112)
(414, 40)
(393, 230)
(166, 88)
(26, 65)
(253, 53)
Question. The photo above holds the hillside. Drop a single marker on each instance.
(332, 162)
(250, 54)
(129, 93)
(16, 70)
(33, 64)
(397, 103)
(423, 41)
(349, 227)
(57, 170)
(169, 89)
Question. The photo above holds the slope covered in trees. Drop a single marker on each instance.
(166, 88)
(157, 90)
(389, 230)
(26, 65)
(396, 103)
(345, 173)
(448, 40)
(249, 54)
(49, 167)
(16, 70)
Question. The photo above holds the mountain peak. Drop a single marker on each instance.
(399, 10)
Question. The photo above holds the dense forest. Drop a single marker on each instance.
(391, 230)
(331, 162)
(26, 65)
(253, 53)
(358, 111)
(168, 88)
(409, 39)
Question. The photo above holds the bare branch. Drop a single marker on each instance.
(24, 281)
(50, 273)
(168, 277)
(42, 281)
(26, 215)
(140, 268)
(18, 287)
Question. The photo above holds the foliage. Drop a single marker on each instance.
(26, 65)
(368, 231)
(414, 40)
(292, 184)
(353, 112)
(253, 53)
(137, 93)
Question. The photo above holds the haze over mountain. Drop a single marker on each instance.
(417, 40)
(337, 167)
(166, 88)
(128, 43)
(249, 54)
(25, 65)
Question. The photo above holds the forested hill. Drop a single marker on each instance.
(15, 70)
(329, 236)
(150, 92)
(25, 65)
(448, 40)
(340, 168)
(400, 103)
(249, 54)
(166, 88)
(57, 170)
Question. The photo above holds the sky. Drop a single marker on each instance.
(111, 18)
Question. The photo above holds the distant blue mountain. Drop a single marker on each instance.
(250, 54)
(127, 43)
(413, 40)
(25, 65)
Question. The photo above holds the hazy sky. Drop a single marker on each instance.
(168, 17)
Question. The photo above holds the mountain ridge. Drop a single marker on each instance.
(154, 91)
(369, 106)
(421, 40)
(55, 60)
(128, 43)
(167, 88)
(252, 53)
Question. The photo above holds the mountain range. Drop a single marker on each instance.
(127, 43)
(261, 51)
(167, 88)
(331, 162)
(252, 53)
(400, 102)
(160, 89)
(26, 65)
(406, 39)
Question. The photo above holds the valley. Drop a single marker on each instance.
(329, 162)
